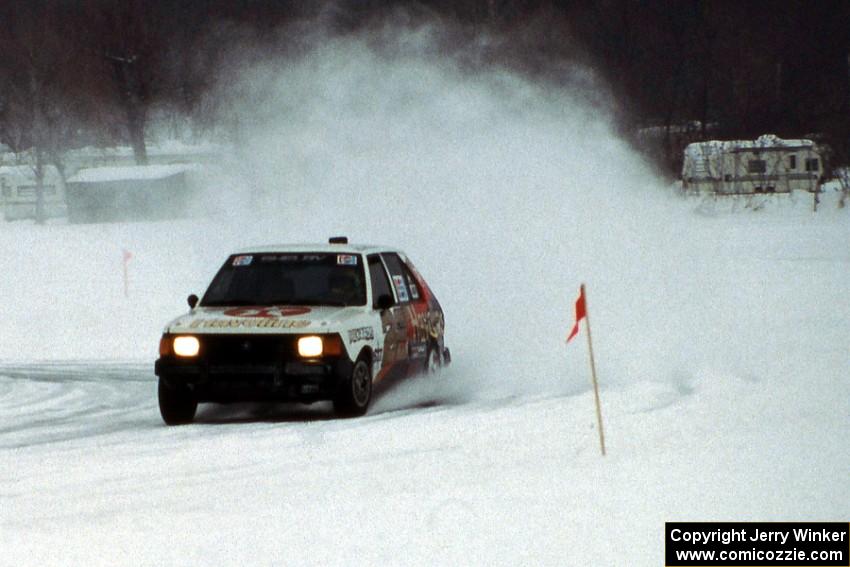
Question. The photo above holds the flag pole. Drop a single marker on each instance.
(125, 257)
(593, 373)
(126, 281)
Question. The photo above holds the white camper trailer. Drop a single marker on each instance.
(18, 192)
(741, 167)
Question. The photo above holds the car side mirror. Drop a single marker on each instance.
(385, 301)
(192, 300)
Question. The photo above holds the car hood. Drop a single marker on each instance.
(267, 320)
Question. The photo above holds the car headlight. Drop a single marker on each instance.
(314, 346)
(186, 346)
(310, 347)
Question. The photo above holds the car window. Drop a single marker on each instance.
(380, 283)
(288, 279)
(411, 283)
(403, 281)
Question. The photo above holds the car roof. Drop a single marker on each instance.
(322, 247)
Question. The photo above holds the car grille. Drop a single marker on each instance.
(246, 349)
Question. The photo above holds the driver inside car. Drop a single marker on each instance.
(345, 288)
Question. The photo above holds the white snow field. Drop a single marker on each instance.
(721, 334)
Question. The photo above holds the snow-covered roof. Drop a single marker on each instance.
(765, 142)
(26, 171)
(167, 147)
(128, 173)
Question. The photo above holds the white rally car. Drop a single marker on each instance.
(303, 323)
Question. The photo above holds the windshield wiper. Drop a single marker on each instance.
(329, 302)
(281, 301)
(228, 303)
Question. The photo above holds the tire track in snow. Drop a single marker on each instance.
(52, 402)
(45, 402)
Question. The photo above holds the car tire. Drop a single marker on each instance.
(177, 406)
(355, 392)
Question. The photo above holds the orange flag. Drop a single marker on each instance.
(581, 313)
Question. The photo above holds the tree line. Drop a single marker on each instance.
(75, 73)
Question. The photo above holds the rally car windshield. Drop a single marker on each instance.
(288, 279)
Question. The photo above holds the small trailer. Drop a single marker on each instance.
(18, 196)
(129, 193)
(745, 167)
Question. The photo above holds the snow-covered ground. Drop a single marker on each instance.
(721, 336)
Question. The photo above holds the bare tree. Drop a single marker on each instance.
(34, 110)
(126, 38)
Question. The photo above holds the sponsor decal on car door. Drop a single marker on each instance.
(428, 318)
(393, 355)
(413, 305)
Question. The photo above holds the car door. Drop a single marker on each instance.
(428, 322)
(391, 357)
(413, 306)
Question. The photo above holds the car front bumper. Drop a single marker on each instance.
(292, 380)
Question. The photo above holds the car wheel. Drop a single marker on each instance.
(176, 405)
(433, 362)
(355, 392)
